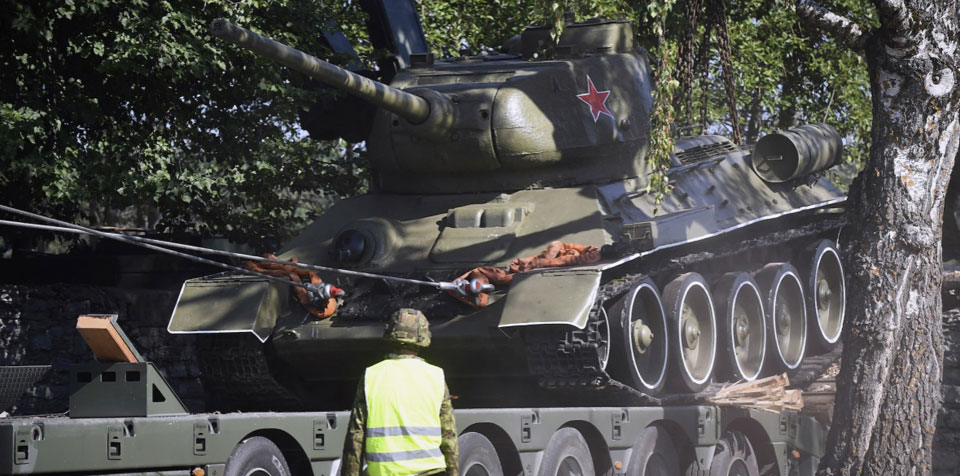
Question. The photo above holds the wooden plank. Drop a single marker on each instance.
(103, 339)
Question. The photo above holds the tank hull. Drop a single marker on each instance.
(720, 218)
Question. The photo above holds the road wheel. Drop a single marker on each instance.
(478, 457)
(567, 454)
(639, 330)
(693, 331)
(257, 456)
(826, 295)
(734, 456)
(786, 315)
(743, 330)
(654, 454)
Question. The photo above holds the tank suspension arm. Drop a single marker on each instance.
(409, 106)
(160, 245)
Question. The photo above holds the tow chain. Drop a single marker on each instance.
(685, 66)
(719, 8)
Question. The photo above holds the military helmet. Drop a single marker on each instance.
(408, 326)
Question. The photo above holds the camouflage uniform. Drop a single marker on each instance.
(351, 463)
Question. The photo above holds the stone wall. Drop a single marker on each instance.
(37, 327)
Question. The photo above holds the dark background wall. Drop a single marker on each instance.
(37, 327)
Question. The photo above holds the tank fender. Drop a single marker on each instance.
(551, 297)
(228, 304)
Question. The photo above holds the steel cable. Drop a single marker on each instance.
(161, 246)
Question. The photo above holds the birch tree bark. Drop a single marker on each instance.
(886, 413)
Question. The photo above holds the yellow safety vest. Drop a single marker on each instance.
(403, 417)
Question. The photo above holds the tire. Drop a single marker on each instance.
(643, 367)
(567, 454)
(478, 457)
(742, 325)
(734, 456)
(693, 332)
(826, 296)
(653, 454)
(784, 303)
(257, 456)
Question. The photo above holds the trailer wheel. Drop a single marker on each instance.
(478, 457)
(734, 456)
(654, 454)
(257, 456)
(567, 454)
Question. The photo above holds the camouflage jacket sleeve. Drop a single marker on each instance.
(448, 428)
(352, 460)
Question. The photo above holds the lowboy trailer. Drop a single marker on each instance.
(125, 419)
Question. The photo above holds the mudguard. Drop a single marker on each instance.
(551, 296)
(228, 304)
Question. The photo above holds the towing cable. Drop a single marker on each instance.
(460, 286)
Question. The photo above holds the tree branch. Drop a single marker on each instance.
(841, 28)
(893, 16)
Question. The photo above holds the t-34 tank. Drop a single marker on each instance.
(483, 160)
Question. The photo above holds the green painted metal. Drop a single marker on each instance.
(482, 160)
(228, 304)
(147, 445)
(795, 153)
(414, 108)
(121, 389)
(540, 296)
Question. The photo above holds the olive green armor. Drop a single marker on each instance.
(482, 160)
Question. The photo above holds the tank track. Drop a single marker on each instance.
(567, 359)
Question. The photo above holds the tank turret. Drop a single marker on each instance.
(482, 161)
(500, 122)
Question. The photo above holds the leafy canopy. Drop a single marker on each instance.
(110, 105)
(113, 104)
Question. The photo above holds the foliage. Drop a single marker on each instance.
(130, 105)
(110, 104)
(795, 75)
(662, 117)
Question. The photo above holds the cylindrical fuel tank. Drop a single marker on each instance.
(795, 153)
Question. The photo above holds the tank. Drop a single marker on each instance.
(482, 160)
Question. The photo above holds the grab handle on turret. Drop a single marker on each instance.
(411, 107)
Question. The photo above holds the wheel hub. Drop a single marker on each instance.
(783, 320)
(741, 329)
(642, 336)
(823, 293)
(691, 333)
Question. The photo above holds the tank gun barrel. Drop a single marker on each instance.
(409, 106)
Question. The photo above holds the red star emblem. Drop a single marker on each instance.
(597, 100)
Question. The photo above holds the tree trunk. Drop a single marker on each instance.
(886, 414)
(788, 99)
(753, 120)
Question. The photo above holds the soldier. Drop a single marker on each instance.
(402, 420)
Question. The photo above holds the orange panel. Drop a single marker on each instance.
(104, 340)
